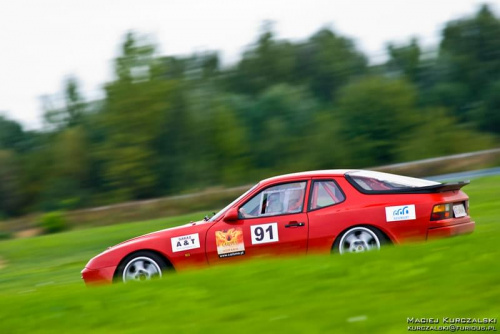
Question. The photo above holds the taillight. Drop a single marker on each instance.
(441, 211)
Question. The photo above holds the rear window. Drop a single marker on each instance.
(371, 182)
(325, 193)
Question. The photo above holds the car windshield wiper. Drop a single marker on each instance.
(207, 218)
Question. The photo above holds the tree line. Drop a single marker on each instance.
(168, 125)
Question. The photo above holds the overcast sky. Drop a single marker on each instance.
(43, 41)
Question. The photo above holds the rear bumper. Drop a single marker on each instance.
(451, 230)
(98, 276)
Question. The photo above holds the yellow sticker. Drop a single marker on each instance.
(230, 242)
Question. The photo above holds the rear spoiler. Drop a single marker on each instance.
(437, 188)
(440, 188)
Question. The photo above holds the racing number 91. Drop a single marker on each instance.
(259, 233)
(264, 233)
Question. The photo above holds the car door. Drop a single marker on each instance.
(272, 222)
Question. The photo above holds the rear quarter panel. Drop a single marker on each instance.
(326, 224)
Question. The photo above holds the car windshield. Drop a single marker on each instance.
(221, 212)
(377, 181)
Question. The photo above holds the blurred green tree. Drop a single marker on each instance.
(324, 146)
(405, 60)
(12, 135)
(279, 120)
(470, 50)
(134, 112)
(230, 145)
(489, 112)
(11, 194)
(72, 154)
(267, 62)
(377, 114)
(61, 179)
(439, 134)
(72, 110)
(327, 62)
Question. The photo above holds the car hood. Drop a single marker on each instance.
(194, 226)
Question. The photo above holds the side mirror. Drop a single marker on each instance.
(231, 215)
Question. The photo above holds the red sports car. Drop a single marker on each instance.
(311, 212)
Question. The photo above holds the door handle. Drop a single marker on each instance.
(294, 224)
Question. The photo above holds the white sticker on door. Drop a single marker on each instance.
(185, 242)
(264, 233)
(398, 213)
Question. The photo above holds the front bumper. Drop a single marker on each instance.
(98, 276)
(451, 230)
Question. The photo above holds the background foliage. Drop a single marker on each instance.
(176, 124)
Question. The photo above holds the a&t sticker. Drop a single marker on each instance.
(185, 242)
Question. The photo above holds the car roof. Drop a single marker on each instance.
(309, 174)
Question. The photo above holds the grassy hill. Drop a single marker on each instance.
(41, 289)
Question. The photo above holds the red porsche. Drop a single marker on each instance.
(311, 212)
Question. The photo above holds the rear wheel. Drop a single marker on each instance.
(141, 266)
(359, 239)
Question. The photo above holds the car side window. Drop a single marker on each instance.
(325, 193)
(276, 200)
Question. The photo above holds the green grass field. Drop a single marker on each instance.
(41, 289)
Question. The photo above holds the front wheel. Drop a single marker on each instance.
(359, 239)
(141, 266)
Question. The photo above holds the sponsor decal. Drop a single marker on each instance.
(185, 242)
(230, 242)
(264, 233)
(402, 212)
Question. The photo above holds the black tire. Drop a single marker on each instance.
(378, 239)
(145, 264)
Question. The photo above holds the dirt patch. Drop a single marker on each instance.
(32, 232)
